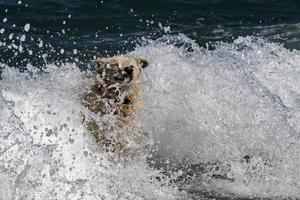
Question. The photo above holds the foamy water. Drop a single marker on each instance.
(218, 106)
(46, 152)
(200, 106)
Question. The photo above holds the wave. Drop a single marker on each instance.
(46, 152)
(233, 108)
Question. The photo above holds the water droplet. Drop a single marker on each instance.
(20, 49)
(41, 44)
(27, 27)
(11, 36)
(23, 37)
(160, 25)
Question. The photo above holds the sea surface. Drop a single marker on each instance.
(221, 99)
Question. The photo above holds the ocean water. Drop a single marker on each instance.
(221, 99)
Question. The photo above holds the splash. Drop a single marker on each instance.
(230, 114)
(46, 152)
(225, 123)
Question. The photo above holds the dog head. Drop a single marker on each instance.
(118, 70)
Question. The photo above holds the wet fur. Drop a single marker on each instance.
(116, 93)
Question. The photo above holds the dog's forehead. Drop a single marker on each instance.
(117, 63)
(121, 62)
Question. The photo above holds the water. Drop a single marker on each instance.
(221, 99)
(225, 105)
(100, 28)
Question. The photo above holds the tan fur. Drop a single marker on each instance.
(116, 91)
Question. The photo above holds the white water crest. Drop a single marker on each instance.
(236, 105)
(200, 106)
(46, 151)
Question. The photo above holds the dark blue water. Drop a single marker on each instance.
(100, 28)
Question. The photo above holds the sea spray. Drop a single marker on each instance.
(46, 151)
(230, 114)
(231, 110)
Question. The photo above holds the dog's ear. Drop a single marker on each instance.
(143, 62)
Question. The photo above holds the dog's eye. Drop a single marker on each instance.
(129, 71)
(127, 101)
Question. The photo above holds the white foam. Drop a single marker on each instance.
(220, 105)
(200, 105)
(46, 152)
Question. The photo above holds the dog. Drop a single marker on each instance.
(115, 96)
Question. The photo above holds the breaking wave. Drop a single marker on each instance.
(225, 122)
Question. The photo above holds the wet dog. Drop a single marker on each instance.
(115, 97)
